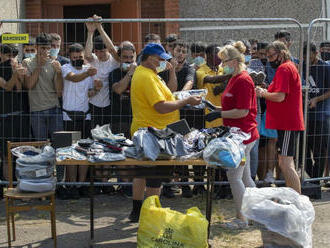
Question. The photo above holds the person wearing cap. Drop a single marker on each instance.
(318, 129)
(153, 104)
(105, 59)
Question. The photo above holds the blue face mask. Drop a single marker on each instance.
(53, 52)
(161, 67)
(125, 66)
(29, 55)
(228, 70)
(247, 58)
(199, 61)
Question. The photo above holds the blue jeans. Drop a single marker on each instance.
(254, 153)
(46, 122)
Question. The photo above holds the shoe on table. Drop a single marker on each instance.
(168, 192)
(134, 216)
(186, 191)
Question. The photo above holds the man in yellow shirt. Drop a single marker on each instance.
(152, 105)
(210, 76)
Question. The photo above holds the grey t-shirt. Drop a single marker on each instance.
(43, 96)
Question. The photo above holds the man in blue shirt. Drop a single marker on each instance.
(317, 128)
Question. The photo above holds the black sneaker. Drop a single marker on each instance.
(198, 189)
(168, 192)
(186, 192)
(134, 216)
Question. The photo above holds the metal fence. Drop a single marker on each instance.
(74, 30)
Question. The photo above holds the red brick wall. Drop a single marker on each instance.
(33, 10)
(171, 11)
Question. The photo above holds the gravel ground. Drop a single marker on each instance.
(112, 228)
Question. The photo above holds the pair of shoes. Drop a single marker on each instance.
(269, 177)
(186, 191)
(134, 216)
(198, 189)
(108, 190)
(167, 192)
(235, 224)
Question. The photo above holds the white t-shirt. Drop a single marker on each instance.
(102, 99)
(75, 95)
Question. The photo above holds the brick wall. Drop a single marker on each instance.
(171, 11)
(33, 10)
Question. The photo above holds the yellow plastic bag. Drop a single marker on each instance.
(165, 228)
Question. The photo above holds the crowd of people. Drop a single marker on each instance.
(99, 83)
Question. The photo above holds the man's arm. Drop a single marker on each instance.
(58, 78)
(89, 42)
(165, 107)
(172, 80)
(314, 101)
(106, 39)
(78, 77)
(122, 85)
(216, 79)
(189, 79)
(270, 96)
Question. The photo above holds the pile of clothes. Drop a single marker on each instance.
(35, 168)
(147, 143)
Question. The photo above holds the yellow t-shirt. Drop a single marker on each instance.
(201, 73)
(147, 89)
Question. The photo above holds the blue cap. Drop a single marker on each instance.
(155, 48)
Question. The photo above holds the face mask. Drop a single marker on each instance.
(125, 66)
(263, 61)
(199, 61)
(228, 70)
(29, 55)
(325, 56)
(161, 67)
(53, 52)
(77, 63)
(247, 58)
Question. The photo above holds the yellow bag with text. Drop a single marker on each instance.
(165, 228)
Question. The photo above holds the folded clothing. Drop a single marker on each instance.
(37, 185)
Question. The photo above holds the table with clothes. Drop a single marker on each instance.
(152, 153)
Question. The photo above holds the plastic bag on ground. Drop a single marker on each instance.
(281, 210)
(163, 227)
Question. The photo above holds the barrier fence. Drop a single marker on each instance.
(74, 30)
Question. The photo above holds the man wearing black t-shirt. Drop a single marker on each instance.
(119, 85)
(12, 103)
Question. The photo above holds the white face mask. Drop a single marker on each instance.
(161, 67)
(125, 66)
(29, 55)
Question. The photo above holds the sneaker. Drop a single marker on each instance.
(175, 189)
(134, 216)
(269, 177)
(186, 192)
(168, 192)
(198, 189)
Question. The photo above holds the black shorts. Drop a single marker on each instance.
(287, 142)
(163, 173)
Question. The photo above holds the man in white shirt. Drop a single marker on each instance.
(79, 85)
(105, 59)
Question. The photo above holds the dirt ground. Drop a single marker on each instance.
(112, 228)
